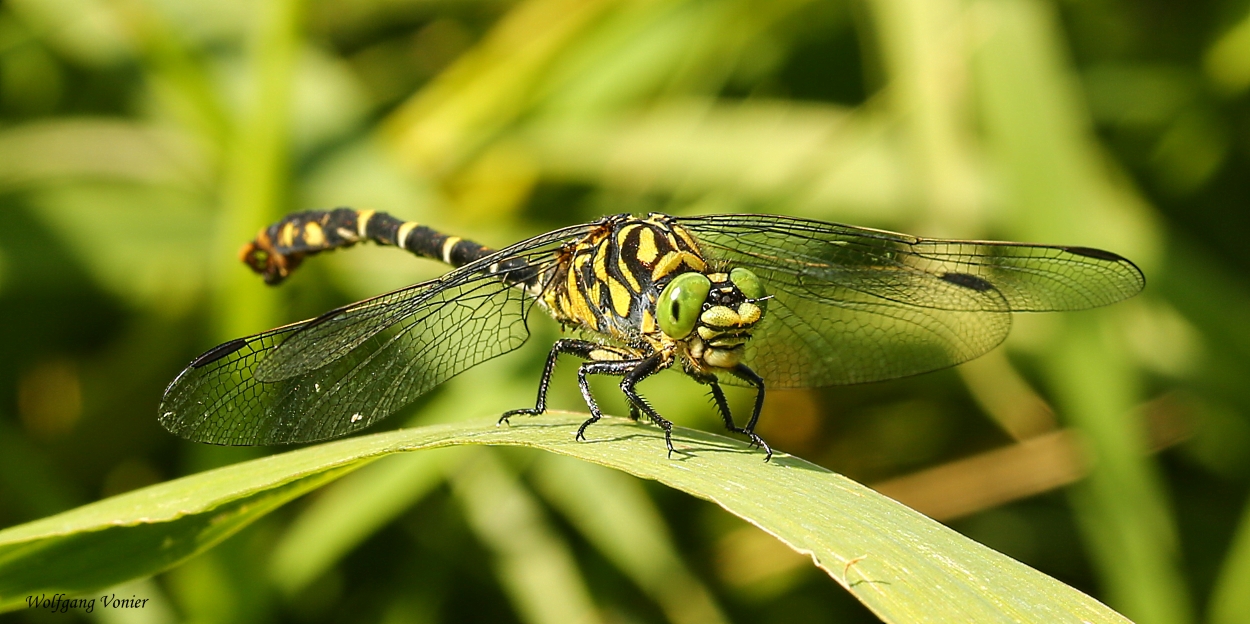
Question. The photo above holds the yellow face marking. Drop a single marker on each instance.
(749, 313)
(448, 245)
(718, 277)
(647, 250)
(314, 236)
(404, 230)
(673, 261)
(720, 316)
(362, 222)
(620, 298)
(286, 238)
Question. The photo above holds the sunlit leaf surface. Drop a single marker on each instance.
(903, 566)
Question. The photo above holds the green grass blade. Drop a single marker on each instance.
(134, 535)
(902, 565)
(1230, 601)
(256, 172)
(349, 512)
(1059, 181)
(533, 562)
(615, 514)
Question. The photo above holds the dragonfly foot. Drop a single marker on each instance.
(759, 442)
(754, 441)
(581, 431)
(528, 411)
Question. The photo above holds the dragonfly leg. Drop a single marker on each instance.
(580, 348)
(721, 404)
(643, 369)
(746, 374)
(618, 367)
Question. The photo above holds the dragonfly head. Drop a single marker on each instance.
(712, 313)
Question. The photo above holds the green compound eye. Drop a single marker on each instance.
(680, 304)
(749, 284)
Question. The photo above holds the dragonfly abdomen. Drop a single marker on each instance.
(280, 248)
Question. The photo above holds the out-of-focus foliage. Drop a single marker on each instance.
(142, 141)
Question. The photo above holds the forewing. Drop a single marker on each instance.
(853, 305)
(353, 366)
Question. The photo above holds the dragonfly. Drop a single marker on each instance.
(761, 301)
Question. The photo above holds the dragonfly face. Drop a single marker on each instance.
(711, 316)
(763, 301)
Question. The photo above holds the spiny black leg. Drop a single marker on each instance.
(580, 348)
(644, 369)
(598, 368)
(722, 404)
(746, 374)
(742, 372)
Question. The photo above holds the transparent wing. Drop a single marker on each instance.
(351, 367)
(853, 305)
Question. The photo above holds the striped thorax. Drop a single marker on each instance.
(644, 282)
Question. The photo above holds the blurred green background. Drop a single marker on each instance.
(143, 141)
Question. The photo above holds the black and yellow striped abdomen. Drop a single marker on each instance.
(608, 281)
(280, 248)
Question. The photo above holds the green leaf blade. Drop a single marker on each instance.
(902, 565)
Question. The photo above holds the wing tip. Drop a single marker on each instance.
(1109, 256)
(1098, 254)
(218, 352)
